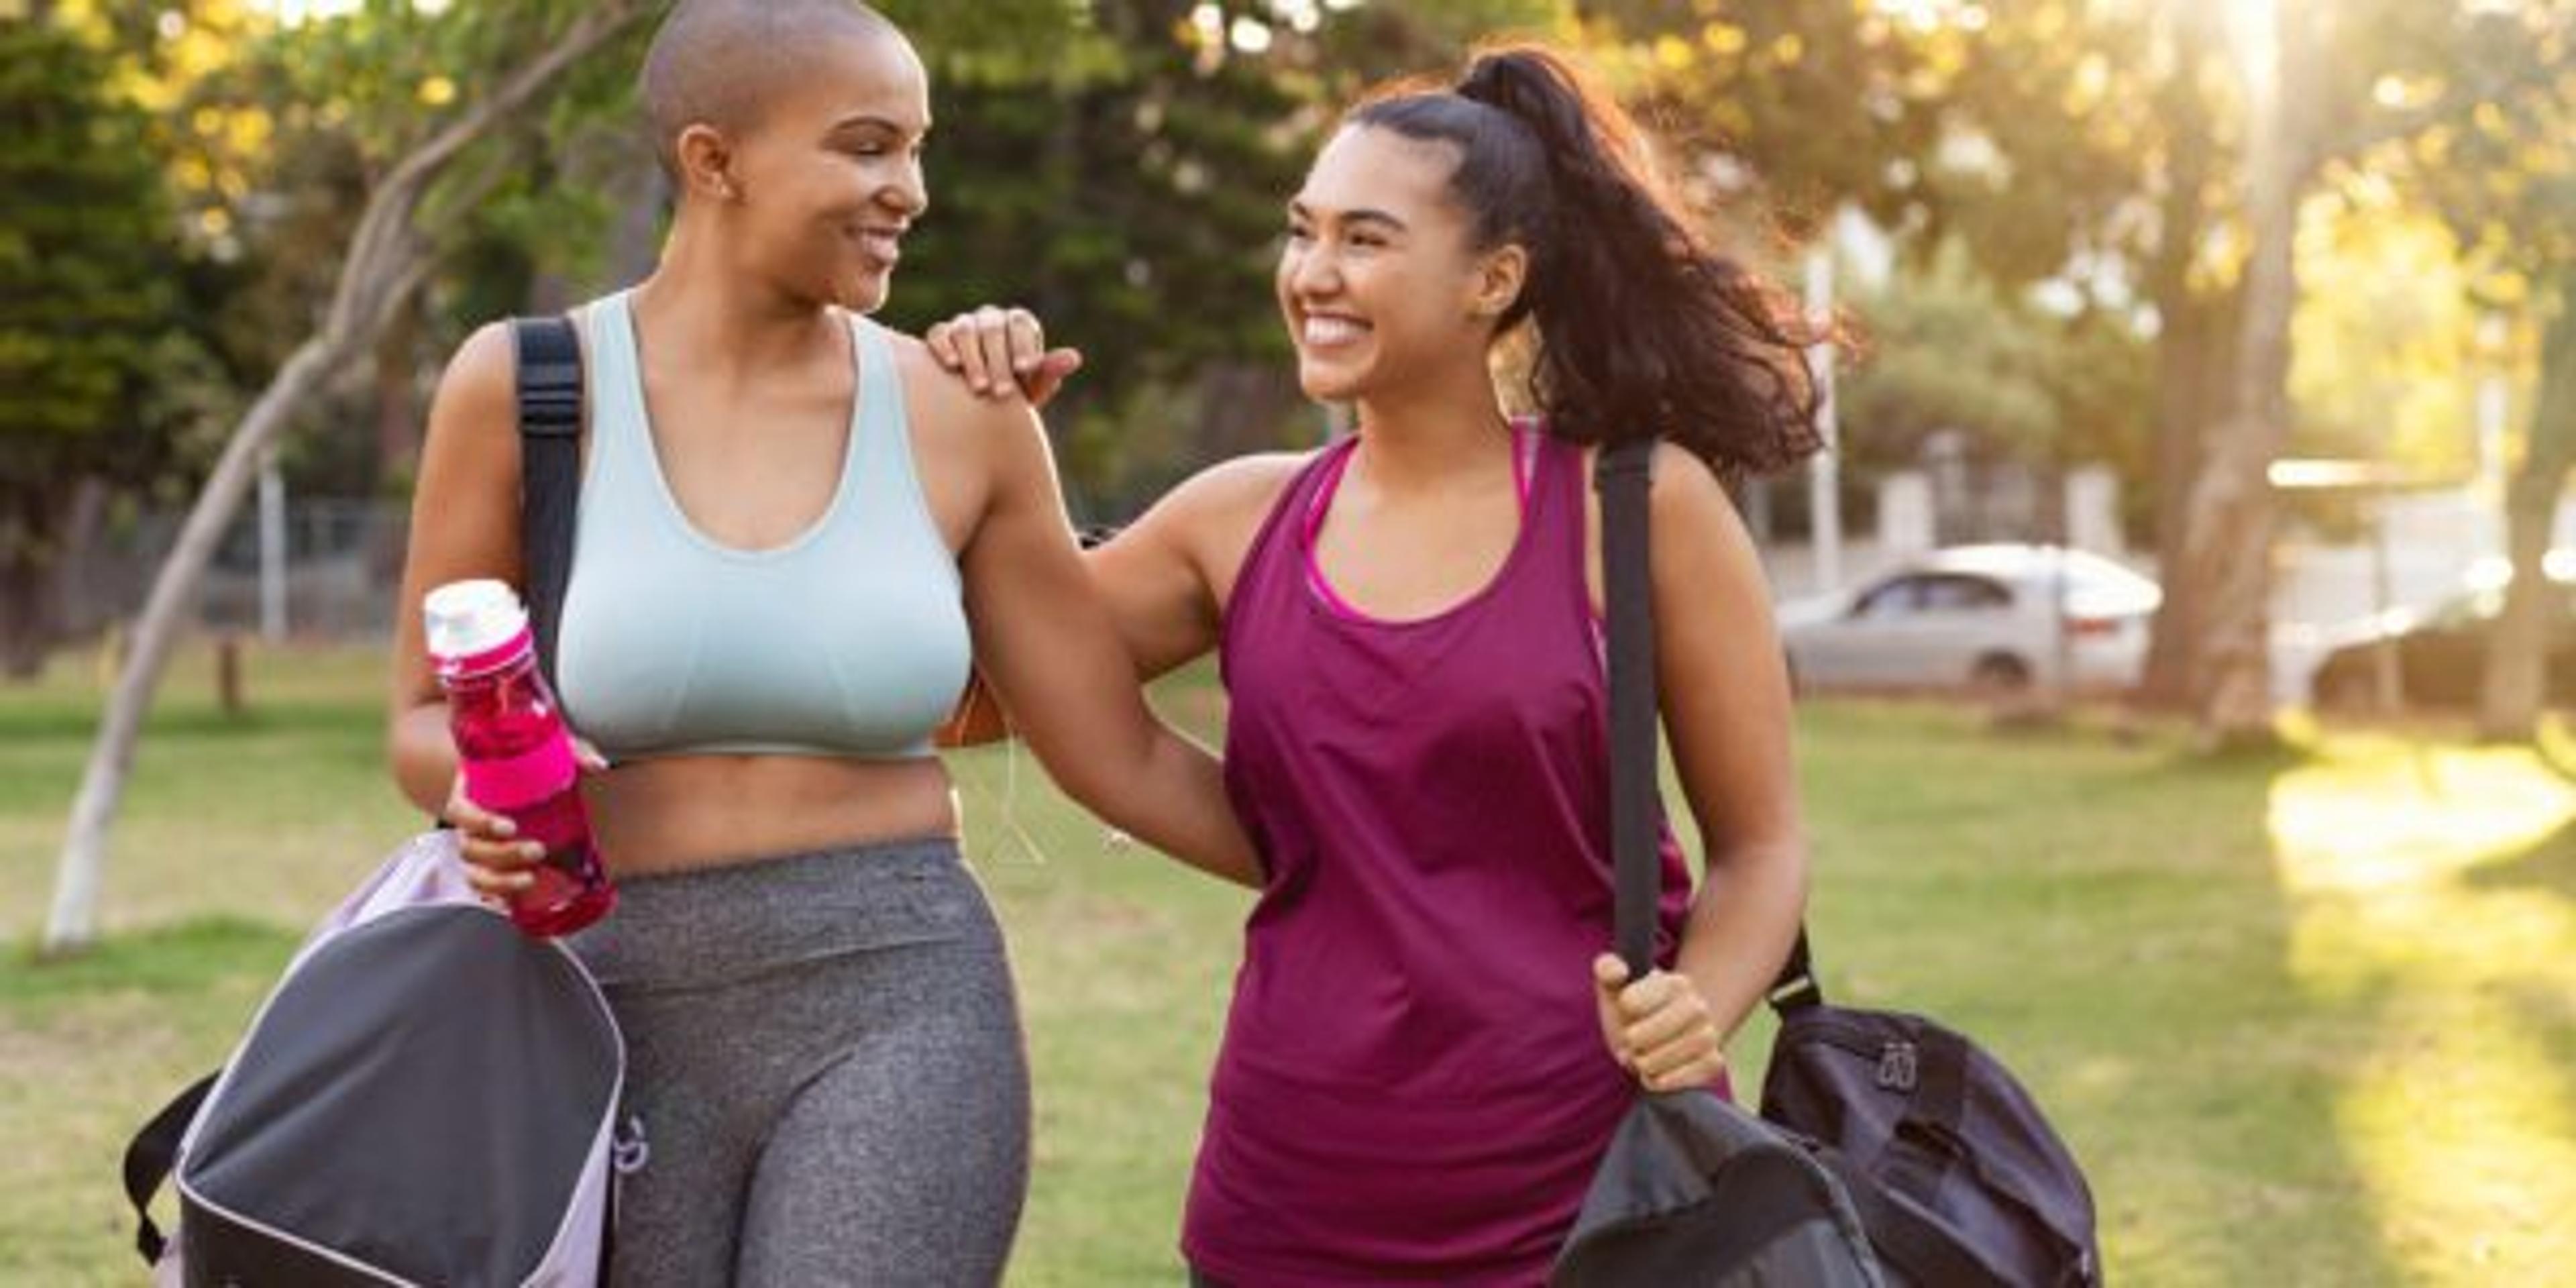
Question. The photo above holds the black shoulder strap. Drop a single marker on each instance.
(1624, 475)
(150, 1156)
(550, 391)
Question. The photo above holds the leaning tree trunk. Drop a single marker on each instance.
(2515, 685)
(386, 262)
(2228, 559)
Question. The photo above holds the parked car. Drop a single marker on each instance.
(1983, 618)
(2442, 650)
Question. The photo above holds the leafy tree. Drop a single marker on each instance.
(2093, 146)
(88, 351)
(2491, 92)
(1950, 349)
(388, 257)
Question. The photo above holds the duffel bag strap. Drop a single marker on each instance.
(549, 380)
(1624, 476)
(150, 1156)
(1796, 988)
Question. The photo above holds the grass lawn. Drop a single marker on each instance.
(2307, 1019)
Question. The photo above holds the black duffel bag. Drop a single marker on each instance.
(1956, 1173)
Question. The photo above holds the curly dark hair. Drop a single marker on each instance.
(1643, 328)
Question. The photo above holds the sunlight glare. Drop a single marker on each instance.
(2459, 1122)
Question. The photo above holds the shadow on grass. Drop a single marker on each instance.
(2548, 864)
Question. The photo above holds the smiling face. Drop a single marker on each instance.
(814, 190)
(1379, 280)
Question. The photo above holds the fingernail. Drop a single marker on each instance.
(504, 827)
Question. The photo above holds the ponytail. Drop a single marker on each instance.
(1643, 329)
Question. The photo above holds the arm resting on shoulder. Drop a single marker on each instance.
(1046, 642)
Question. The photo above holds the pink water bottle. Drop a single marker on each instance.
(515, 752)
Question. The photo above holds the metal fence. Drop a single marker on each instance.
(337, 570)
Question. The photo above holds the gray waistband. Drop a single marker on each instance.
(711, 926)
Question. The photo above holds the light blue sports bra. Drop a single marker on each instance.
(849, 641)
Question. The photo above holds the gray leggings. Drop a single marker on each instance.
(824, 1057)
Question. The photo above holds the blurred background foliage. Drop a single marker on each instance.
(2037, 209)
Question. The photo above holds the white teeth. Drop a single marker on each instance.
(1329, 330)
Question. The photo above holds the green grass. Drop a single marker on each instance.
(2308, 1019)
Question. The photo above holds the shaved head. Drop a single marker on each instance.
(720, 62)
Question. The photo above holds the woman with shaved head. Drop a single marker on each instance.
(795, 536)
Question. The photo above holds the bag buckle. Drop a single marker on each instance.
(1897, 1066)
(628, 1150)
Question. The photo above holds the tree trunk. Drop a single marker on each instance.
(2184, 349)
(2515, 685)
(73, 921)
(26, 617)
(396, 406)
(2228, 556)
(384, 265)
(2188, 347)
(32, 571)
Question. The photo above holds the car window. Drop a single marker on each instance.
(1958, 594)
(1894, 597)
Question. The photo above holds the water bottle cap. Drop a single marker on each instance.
(464, 618)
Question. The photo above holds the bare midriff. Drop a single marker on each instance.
(677, 813)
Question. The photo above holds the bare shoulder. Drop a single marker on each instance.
(1215, 514)
(1240, 487)
(1206, 525)
(1688, 492)
(477, 398)
(1686, 497)
(470, 449)
(944, 399)
(1707, 547)
(1699, 538)
(976, 437)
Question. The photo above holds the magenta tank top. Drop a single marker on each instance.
(1413, 1085)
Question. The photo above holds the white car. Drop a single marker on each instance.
(1990, 618)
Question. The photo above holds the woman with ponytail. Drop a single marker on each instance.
(1429, 1046)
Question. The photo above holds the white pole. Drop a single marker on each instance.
(272, 551)
(1824, 472)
